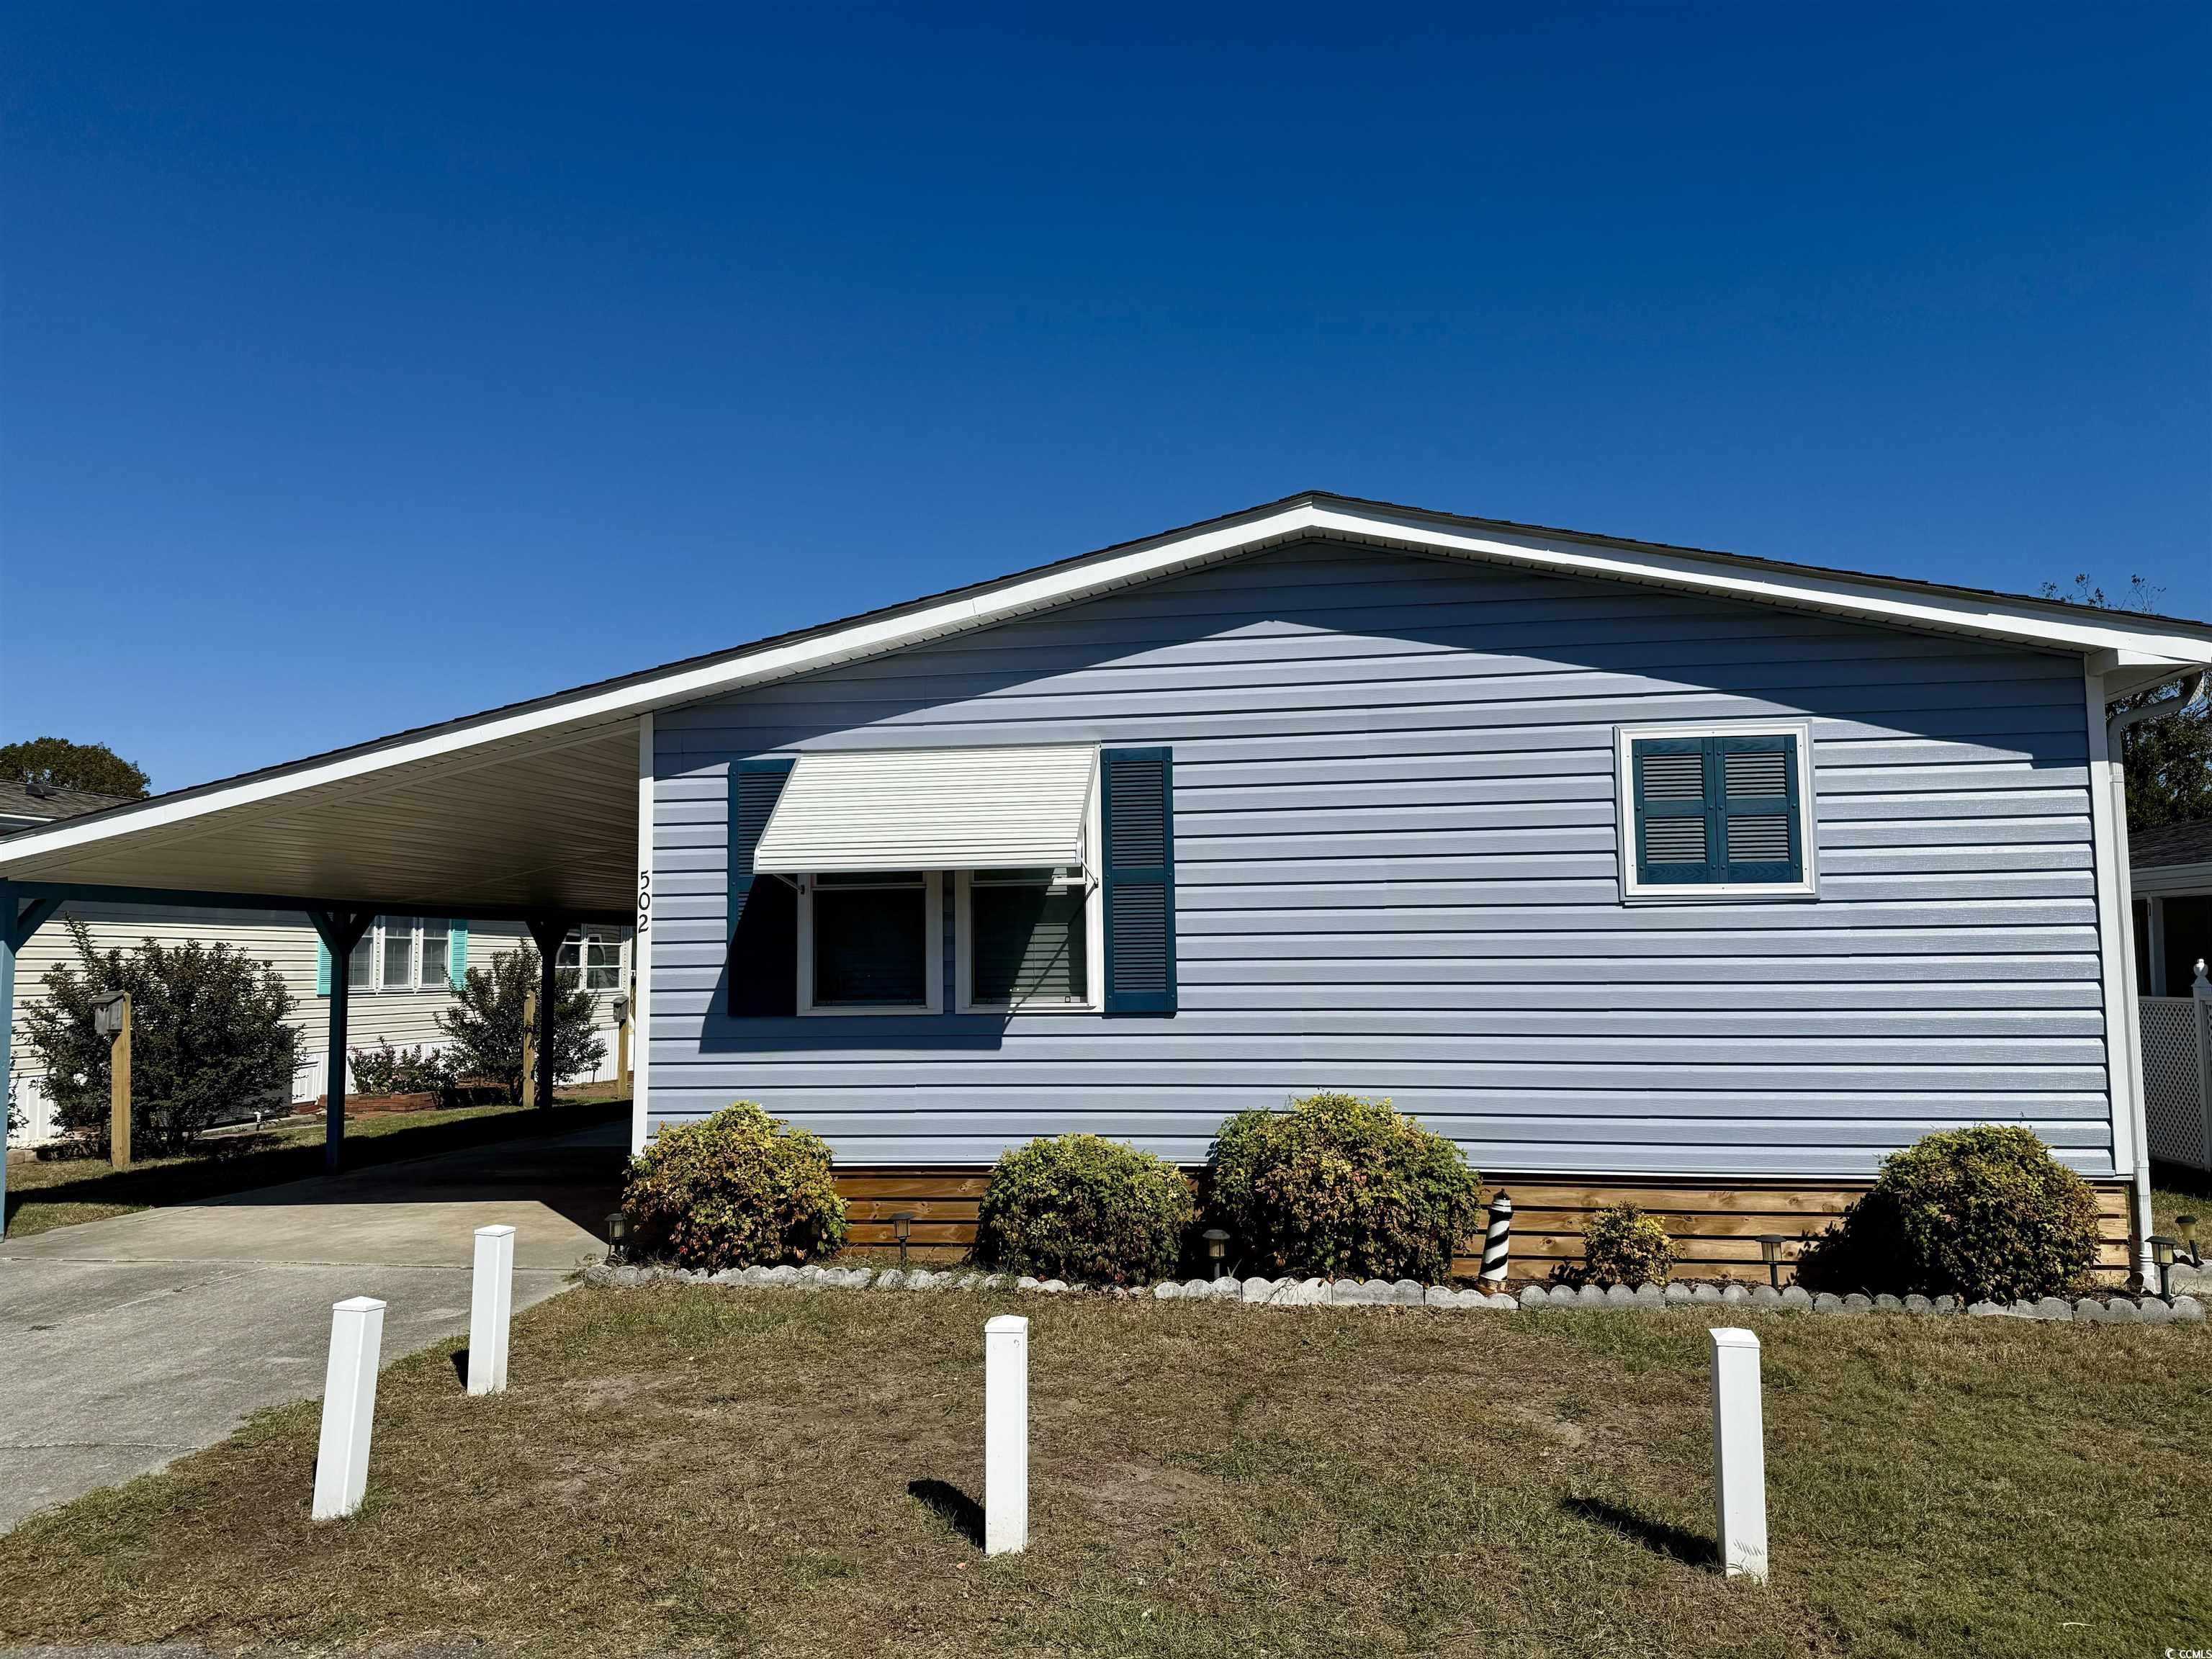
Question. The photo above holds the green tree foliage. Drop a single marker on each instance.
(486, 1027)
(1085, 1208)
(738, 1190)
(2169, 759)
(89, 766)
(1985, 1213)
(1621, 1245)
(212, 1038)
(1339, 1184)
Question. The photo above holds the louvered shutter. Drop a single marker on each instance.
(763, 912)
(322, 968)
(1717, 810)
(456, 952)
(1138, 875)
(1761, 838)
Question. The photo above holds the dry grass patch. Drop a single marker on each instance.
(681, 1469)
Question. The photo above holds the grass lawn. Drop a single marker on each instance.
(43, 1195)
(682, 1468)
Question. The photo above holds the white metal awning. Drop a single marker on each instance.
(931, 809)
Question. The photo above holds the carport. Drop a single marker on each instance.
(531, 813)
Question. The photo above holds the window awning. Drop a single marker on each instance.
(931, 809)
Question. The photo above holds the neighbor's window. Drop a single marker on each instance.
(1716, 811)
(596, 954)
(400, 953)
(1025, 940)
(870, 943)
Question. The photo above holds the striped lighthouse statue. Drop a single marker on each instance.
(1497, 1247)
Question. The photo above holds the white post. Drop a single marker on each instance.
(1005, 1435)
(1739, 1454)
(491, 1310)
(640, 948)
(349, 1406)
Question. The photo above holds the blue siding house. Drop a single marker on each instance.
(1635, 870)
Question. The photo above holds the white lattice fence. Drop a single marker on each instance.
(2177, 1042)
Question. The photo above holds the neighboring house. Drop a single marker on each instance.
(2171, 867)
(1641, 872)
(401, 974)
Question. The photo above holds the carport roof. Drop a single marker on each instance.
(535, 805)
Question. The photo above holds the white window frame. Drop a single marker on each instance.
(1638, 892)
(932, 889)
(372, 985)
(1094, 933)
(602, 933)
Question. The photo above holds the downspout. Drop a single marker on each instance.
(2115, 725)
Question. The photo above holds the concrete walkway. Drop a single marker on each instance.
(134, 1340)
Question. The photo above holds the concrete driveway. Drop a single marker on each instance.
(134, 1340)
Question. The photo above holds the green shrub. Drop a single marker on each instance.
(385, 1070)
(1985, 1213)
(1339, 1184)
(738, 1189)
(1622, 1245)
(1085, 1208)
(489, 1032)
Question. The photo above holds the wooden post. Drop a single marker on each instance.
(530, 1049)
(119, 1089)
(622, 1049)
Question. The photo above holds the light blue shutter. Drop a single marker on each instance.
(322, 968)
(457, 949)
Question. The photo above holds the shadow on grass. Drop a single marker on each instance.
(1691, 1549)
(961, 1512)
(235, 1164)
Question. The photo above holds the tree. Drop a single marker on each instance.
(2168, 759)
(92, 767)
(212, 1038)
(486, 1023)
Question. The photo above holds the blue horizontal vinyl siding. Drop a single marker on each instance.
(1397, 871)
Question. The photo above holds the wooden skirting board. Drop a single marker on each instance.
(1715, 1227)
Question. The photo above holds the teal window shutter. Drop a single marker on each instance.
(457, 949)
(763, 915)
(322, 968)
(1137, 870)
(1717, 810)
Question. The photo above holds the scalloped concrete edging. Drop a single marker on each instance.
(1408, 1293)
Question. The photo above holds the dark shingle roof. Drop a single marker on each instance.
(17, 802)
(2171, 843)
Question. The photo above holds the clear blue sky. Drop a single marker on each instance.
(363, 366)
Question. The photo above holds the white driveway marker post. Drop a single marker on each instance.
(1005, 1435)
(349, 1406)
(491, 1310)
(1739, 1454)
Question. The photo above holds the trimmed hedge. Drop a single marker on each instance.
(739, 1189)
(1984, 1214)
(1343, 1185)
(1622, 1245)
(1085, 1208)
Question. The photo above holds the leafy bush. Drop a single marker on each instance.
(212, 1038)
(740, 1188)
(385, 1070)
(1985, 1213)
(1622, 1245)
(1085, 1208)
(486, 1023)
(1343, 1185)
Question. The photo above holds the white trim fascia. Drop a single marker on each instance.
(640, 1013)
(933, 888)
(1624, 794)
(1861, 599)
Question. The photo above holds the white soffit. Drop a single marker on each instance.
(931, 809)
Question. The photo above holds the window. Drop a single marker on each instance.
(595, 953)
(401, 953)
(1716, 811)
(871, 943)
(1025, 940)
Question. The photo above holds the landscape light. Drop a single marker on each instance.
(2161, 1252)
(618, 1233)
(1770, 1251)
(903, 1229)
(1217, 1246)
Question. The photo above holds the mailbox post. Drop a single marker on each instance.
(622, 1043)
(111, 1018)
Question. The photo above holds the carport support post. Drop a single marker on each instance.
(19, 919)
(340, 930)
(548, 932)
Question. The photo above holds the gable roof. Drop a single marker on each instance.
(582, 741)
(20, 802)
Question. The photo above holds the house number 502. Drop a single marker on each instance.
(644, 899)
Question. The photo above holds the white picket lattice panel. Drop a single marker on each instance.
(2174, 1034)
